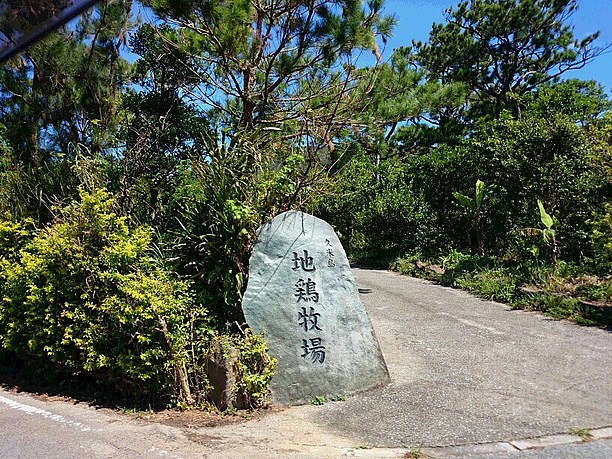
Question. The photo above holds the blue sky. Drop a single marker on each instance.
(416, 17)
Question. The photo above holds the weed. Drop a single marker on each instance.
(415, 454)
(338, 398)
(583, 433)
(491, 284)
(127, 410)
(229, 411)
(560, 293)
(318, 400)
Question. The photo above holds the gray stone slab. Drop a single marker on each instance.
(302, 295)
(467, 450)
(604, 432)
(549, 440)
(601, 449)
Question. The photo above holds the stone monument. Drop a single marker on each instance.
(302, 295)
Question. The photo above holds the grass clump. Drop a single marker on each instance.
(568, 292)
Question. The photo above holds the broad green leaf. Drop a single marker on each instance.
(480, 193)
(464, 200)
(547, 220)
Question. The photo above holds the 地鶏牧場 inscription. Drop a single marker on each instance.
(301, 294)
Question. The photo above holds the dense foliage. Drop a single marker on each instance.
(83, 294)
(131, 190)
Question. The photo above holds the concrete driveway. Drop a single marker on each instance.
(465, 370)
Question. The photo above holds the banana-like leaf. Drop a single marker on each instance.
(547, 220)
(480, 193)
(464, 200)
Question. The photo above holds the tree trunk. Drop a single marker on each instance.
(554, 252)
(479, 234)
(468, 232)
(180, 371)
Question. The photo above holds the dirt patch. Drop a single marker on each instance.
(197, 418)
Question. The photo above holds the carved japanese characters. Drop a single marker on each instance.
(301, 294)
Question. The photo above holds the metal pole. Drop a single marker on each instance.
(42, 30)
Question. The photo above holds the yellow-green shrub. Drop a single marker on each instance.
(84, 295)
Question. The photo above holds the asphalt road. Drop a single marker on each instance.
(470, 378)
(471, 371)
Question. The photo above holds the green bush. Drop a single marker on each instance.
(219, 204)
(254, 368)
(347, 195)
(435, 176)
(396, 223)
(14, 235)
(84, 296)
(491, 284)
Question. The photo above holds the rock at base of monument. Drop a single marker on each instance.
(221, 374)
(302, 296)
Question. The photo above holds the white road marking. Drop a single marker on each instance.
(472, 324)
(31, 410)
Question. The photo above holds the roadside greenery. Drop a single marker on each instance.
(565, 292)
(83, 295)
(131, 191)
(88, 296)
